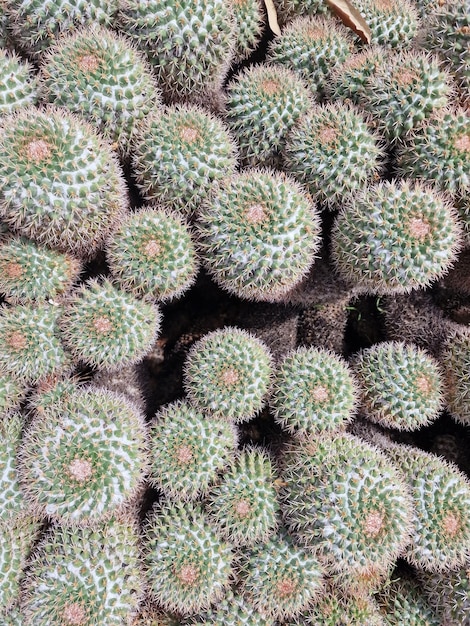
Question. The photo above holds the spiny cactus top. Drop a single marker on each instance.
(18, 86)
(349, 79)
(179, 154)
(60, 183)
(190, 43)
(84, 577)
(289, 9)
(393, 23)
(249, 23)
(455, 359)
(401, 385)
(259, 235)
(107, 327)
(403, 602)
(335, 608)
(395, 237)
(346, 502)
(12, 502)
(100, 75)
(232, 610)
(314, 391)
(11, 393)
(188, 567)
(84, 458)
(228, 374)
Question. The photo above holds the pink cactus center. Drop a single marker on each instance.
(152, 248)
(16, 340)
(229, 377)
(188, 574)
(88, 62)
(38, 150)
(286, 587)
(256, 213)
(320, 393)
(184, 454)
(462, 143)
(242, 508)
(270, 87)
(13, 270)
(74, 614)
(405, 77)
(424, 384)
(327, 135)
(102, 325)
(419, 228)
(80, 470)
(384, 5)
(373, 523)
(189, 134)
(451, 524)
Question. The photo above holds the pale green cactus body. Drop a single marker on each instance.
(12, 392)
(249, 24)
(448, 593)
(287, 10)
(232, 610)
(348, 80)
(18, 85)
(392, 23)
(12, 501)
(455, 359)
(403, 602)
(334, 609)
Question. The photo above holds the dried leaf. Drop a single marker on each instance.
(351, 17)
(272, 17)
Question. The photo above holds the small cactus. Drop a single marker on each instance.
(448, 593)
(249, 24)
(12, 392)
(392, 23)
(455, 359)
(12, 502)
(18, 85)
(402, 602)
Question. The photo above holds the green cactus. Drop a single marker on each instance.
(345, 501)
(289, 9)
(232, 610)
(349, 79)
(12, 391)
(439, 152)
(179, 155)
(100, 75)
(107, 327)
(455, 359)
(188, 567)
(440, 537)
(31, 273)
(60, 183)
(449, 593)
(392, 23)
(12, 502)
(13, 618)
(31, 348)
(18, 85)
(84, 458)
(333, 153)
(335, 609)
(249, 24)
(395, 237)
(314, 391)
(50, 391)
(402, 602)
(259, 236)
(84, 576)
(280, 579)
(187, 450)
(228, 374)
(152, 254)
(263, 103)
(243, 506)
(401, 385)
(190, 43)
(311, 47)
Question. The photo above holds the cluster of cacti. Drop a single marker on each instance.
(183, 447)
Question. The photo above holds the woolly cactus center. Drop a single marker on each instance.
(373, 523)
(320, 393)
(384, 5)
(229, 377)
(80, 470)
(102, 325)
(38, 150)
(327, 135)
(286, 587)
(189, 134)
(74, 614)
(451, 524)
(462, 143)
(242, 508)
(314, 31)
(270, 87)
(152, 248)
(188, 574)
(184, 455)
(16, 340)
(13, 270)
(256, 213)
(404, 77)
(88, 62)
(419, 228)
(424, 385)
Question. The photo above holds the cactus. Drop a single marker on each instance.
(84, 576)
(259, 236)
(60, 183)
(345, 501)
(190, 43)
(228, 374)
(448, 593)
(402, 602)
(314, 391)
(395, 237)
(263, 104)
(18, 86)
(401, 385)
(12, 392)
(187, 450)
(232, 610)
(333, 153)
(100, 75)
(455, 359)
(107, 327)
(12, 502)
(335, 609)
(249, 23)
(280, 579)
(440, 537)
(180, 154)
(152, 254)
(289, 9)
(243, 507)
(31, 348)
(392, 23)
(349, 79)
(188, 567)
(84, 458)
(31, 273)
(439, 152)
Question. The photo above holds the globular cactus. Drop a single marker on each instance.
(60, 182)
(249, 23)
(280, 579)
(259, 236)
(314, 391)
(335, 608)
(333, 153)
(263, 103)
(395, 237)
(151, 616)
(12, 501)
(448, 593)
(401, 386)
(243, 507)
(227, 374)
(287, 10)
(100, 75)
(188, 449)
(232, 610)
(12, 391)
(312, 47)
(179, 154)
(348, 80)
(188, 567)
(455, 359)
(152, 254)
(344, 500)
(84, 458)
(108, 327)
(18, 85)
(392, 23)
(84, 576)
(190, 43)
(31, 273)
(402, 602)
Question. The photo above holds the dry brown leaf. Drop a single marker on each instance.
(351, 17)
(272, 17)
